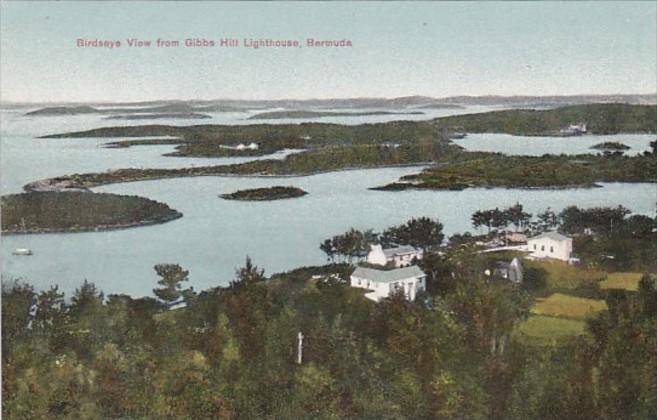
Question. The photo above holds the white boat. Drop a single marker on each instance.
(22, 251)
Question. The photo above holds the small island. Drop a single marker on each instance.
(265, 194)
(611, 145)
(76, 211)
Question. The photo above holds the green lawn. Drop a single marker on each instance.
(562, 276)
(625, 281)
(564, 306)
(548, 330)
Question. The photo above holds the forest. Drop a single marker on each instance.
(470, 347)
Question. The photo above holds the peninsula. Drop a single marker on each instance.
(75, 211)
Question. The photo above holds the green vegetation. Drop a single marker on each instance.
(599, 118)
(40, 212)
(468, 348)
(331, 147)
(494, 170)
(274, 115)
(265, 194)
(305, 163)
(622, 281)
(63, 110)
(610, 145)
(422, 232)
(565, 306)
(171, 116)
(141, 142)
(204, 140)
(561, 276)
(548, 330)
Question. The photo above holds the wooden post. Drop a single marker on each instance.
(299, 348)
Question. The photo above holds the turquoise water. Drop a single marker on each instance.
(537, 146)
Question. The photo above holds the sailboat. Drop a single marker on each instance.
(23, 251)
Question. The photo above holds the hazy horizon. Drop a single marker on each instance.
(292, 99)
(438, 50)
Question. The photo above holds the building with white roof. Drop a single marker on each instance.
(550, 245)
(383, 283)
(401, 256)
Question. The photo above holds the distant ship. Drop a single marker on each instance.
(22, 251)
(573, 130)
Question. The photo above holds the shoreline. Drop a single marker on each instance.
(99, 228)
(29, 186)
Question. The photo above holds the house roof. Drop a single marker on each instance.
(400, 250)
(388, 276)
(555, 236)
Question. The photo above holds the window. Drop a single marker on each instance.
(542, 247)
(551, 249)
(534, 247)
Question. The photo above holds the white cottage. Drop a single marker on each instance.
(384, 283)
(550, 245)
(401, 256)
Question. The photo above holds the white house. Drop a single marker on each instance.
(401, 256)
(242, 146)
(383, 283)
(550, 245)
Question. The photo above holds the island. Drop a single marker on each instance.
(76, 211)
(334, 147)
(274, 115)
(611, 146)
(265, 194)
(63, 110)
(489, 170)
(170, 116)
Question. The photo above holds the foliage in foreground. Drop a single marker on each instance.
(232, 352)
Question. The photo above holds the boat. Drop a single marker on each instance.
(22, 251)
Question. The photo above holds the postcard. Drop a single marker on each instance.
(328, 210)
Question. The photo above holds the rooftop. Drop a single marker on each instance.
(555, 236)
(404, 249)
(388, 276)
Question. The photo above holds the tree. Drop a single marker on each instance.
(17, 299)
(329, 249)
(492, 218)
(86, 300)
(247, 275)
(172, 277)
(517, 216)
(603, 220)
(479, 218)
(351, 244)
(499, 218)
(547, 220)
(421, 233)
(51, 308)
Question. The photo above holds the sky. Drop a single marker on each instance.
(399, 49)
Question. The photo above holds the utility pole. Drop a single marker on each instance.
(299, 348)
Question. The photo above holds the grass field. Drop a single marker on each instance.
(625, 281)
(560, 275)
(564, 306)
(548, 330)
